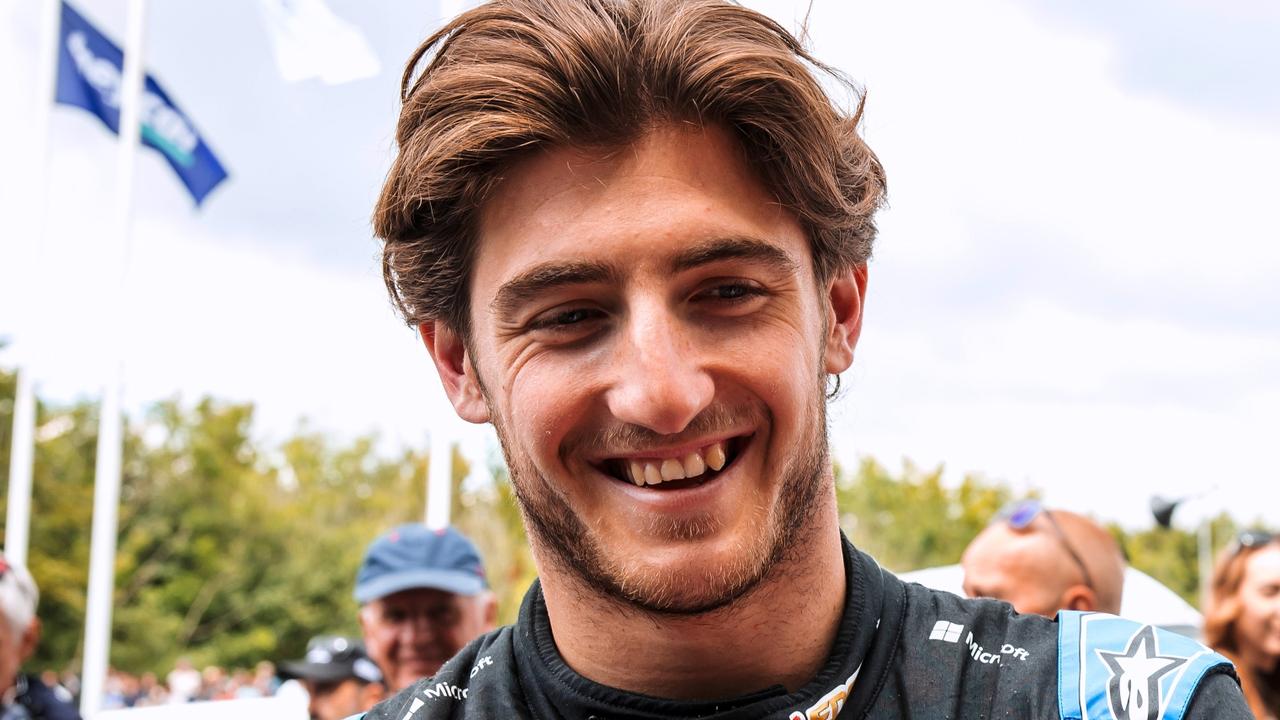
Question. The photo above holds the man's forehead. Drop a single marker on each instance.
(418, 597)
(589, 171)
(698, 175)
(1009, 550)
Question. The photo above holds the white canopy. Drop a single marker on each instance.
(1145, 599)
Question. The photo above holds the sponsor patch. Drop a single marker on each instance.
(946, 631)
(1110, 668)
(828, 706)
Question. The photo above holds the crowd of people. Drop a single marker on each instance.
(185, 684)
(422, 595)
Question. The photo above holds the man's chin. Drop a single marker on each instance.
(412, 672)
(672, 576)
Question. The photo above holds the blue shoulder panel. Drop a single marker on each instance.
(1110, 668)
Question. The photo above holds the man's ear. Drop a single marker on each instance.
(457, 371)
(490, 610)
(1079, 597)
(372, 694)
(844, 298)
(30, 639)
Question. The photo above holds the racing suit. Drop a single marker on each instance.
(901, 651)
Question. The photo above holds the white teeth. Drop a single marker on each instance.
(672, 469)
(642, 472)
(715, 456)
(693, 465)
(652, 475)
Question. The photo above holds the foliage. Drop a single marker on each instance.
(226, 553)
(914, 520)
(490, 517)
(1171, 554)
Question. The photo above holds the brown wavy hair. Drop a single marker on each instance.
(512, 76)
(1224, 611)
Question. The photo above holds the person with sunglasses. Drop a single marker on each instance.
(1042, 561)
(1243, 618)
(23, 696)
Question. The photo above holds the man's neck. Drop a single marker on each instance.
(778, 634)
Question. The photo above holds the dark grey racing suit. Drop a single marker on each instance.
(903, 651)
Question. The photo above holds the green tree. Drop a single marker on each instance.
(914, 520)
(1171, 555)
(489, 516)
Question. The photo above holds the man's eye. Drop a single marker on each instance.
(565, 319)
(731, 292)
(444, 616)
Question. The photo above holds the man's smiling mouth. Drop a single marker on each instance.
(689, 469)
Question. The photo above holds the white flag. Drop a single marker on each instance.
(311, 42)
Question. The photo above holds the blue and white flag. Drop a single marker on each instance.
(89, 77)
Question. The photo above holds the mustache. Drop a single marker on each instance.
(623, 438)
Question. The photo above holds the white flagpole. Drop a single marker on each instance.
(22, 452)
(106, 483)
(17, 522)
(440, 466)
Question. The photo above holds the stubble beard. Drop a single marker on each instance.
(556, 528)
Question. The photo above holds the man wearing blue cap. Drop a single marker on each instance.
(422, 596)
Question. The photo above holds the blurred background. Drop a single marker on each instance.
(1073, 296)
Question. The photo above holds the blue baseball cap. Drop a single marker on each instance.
(413, 556)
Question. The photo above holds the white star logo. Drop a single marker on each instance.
(1134, 688)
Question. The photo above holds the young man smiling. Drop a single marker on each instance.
(633, 235)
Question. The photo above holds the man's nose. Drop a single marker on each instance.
(660, 382)
(416, 628)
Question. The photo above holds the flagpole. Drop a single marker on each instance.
(107, 471)
(22, 449)
(17, 522)
(440, 466)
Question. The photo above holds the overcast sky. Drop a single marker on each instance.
(1074, 288)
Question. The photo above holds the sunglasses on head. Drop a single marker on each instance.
(1250, 539)
(1020, 515)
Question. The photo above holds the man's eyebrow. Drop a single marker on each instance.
(734, 248)
(547, 276)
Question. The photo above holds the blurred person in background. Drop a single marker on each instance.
(340, 678)
(213, 682)
(183, 681)
(51, 681)
(1042, 561)
(23, 696)
(423, 597)
(264, 678)
(1243, 619)
(150, 691)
